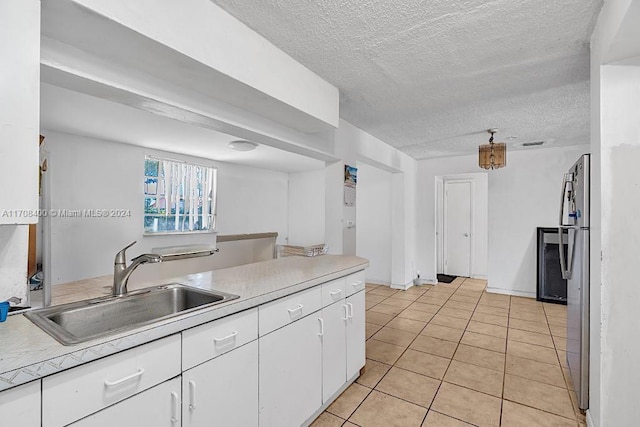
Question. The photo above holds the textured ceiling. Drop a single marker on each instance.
(429, 77)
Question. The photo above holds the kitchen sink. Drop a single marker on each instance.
(86, 320)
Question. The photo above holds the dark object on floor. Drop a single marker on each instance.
(445, 278)
(551, 286)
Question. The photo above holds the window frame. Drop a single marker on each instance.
(214, 197)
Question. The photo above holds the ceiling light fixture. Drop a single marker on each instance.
(242, 145)
(492, 155)
(532, 143)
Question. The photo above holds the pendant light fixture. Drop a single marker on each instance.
(492, 155)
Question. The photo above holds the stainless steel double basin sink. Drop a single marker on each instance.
(90, 319)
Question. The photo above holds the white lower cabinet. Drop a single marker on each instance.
(290, 369)
(20, 406)
(223, 391)
(355, 333)
(334, 348)
(86, 389)
(157, 407)
(271, 366)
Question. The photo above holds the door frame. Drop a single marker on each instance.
(471, 183)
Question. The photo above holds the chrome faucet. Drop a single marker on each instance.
(121, 272)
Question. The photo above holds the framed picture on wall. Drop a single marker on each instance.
(350, 182)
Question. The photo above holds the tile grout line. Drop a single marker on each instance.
(506, 348)
(412, 341)
(448, 299)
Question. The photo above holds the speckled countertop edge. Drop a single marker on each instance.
(27, 353)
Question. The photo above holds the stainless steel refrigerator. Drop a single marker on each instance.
(574, 262)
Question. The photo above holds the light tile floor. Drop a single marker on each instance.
(455, 355)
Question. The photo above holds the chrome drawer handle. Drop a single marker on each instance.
(125, 379)
(350, 315)
(334, 293)
(321, 320)
(228, 337)
(346, 312)
(357, 284)
(293, 310)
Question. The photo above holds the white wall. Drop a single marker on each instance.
(521, 197)
(373, 219)
(351, 145)
(620, 240)
(87, 173)
(307, 208)
(614, 120)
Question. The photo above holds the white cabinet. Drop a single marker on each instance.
(355, 283)
(223, 391)
(19, 110)
(156, 407)
(20, 406)
(290, 373)
(78, 392)
(212, 339)
(275, 365)
(355, 334)
(334, 348)
(289, 309)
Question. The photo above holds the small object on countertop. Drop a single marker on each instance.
(4, 310)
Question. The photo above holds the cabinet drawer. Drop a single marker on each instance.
(78, 392)
(333, 291)
(157, 407)
(355, 282)
(218, 337)
(286, 310)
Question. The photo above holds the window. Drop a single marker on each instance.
(179, 197)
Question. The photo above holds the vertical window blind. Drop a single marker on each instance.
(179, 197)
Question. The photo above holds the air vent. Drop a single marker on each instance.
(532, 143)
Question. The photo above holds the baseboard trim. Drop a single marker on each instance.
(511, 292)
(590, 422)
(428, 281)
(479, 276)
(378, 282)
(402, 287)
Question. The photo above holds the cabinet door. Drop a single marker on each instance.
(291, 373)
(20, 406)
(223, 391)
(334, 349)
(157, 407)
(355, 334)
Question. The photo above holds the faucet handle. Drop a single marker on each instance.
(121, 257)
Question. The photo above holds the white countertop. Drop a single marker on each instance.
(27, 353)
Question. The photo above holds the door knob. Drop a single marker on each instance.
(466, 234)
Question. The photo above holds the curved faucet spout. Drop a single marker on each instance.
(121, 271)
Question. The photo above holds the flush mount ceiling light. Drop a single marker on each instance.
(492, 155)
(242, 145)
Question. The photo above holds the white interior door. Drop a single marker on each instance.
(457, 228)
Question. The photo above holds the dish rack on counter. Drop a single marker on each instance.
(290, 250)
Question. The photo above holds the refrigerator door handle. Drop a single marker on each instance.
(563, 263)
(566, 265)
(566, 180)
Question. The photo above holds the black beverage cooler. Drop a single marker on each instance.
(551, 286)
